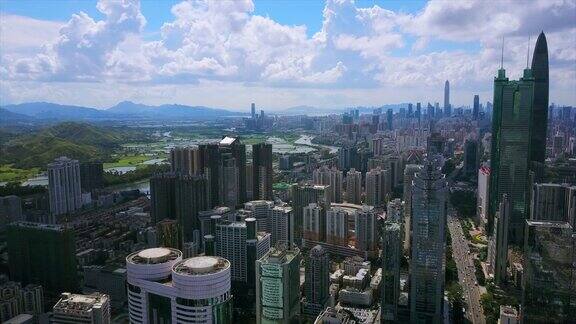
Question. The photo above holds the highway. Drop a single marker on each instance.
(466, 270)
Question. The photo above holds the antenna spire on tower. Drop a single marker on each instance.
(502, 55)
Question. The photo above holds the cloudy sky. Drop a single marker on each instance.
(276, 53)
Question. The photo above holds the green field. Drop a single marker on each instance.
(11, 174)
(129, 160)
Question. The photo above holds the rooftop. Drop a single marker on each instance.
(201, 265)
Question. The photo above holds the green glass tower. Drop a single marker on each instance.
(43, 254)
(510, 154)
(540, 109)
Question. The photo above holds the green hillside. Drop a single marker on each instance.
(75, 140)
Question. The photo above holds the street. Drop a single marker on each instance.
(466, 271)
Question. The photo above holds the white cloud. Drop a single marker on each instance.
(223, 43)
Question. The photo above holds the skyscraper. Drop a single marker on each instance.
(476, 108)
(410, 171)
(391, 254)
(389, 117)
(540, 105)
(184, 160)
(64, 187)
(353, 186)
(317, 281)
(510, 152)
(377, 181)
(549, 288)
(190, 200)
(471, 156)
(500, 261)
(447, 107)
(262, 171)
(163, 196)
(281, 225)
(553, 202)
(237, 155)
(427, 264)
(42, 254)
(278, 285)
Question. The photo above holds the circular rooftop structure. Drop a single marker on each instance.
(154, 256)
(201, 265)
(152, 264)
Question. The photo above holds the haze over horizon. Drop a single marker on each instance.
(228, 54)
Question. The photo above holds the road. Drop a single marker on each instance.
(466, 270)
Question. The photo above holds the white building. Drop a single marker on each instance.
(163, 288)
(75, 308)
(260, 209)
(330, 177)
(280, 224)
(64, 186)
(483, 190)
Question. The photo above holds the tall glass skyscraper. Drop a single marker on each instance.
(428, 261)
(540, 109)
(447, 107)
(510, 153)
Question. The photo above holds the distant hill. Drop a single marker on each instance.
(74, 140)
(9, 118)
(126, 110)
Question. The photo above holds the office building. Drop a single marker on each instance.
(184, 160)
(539, 113)
(510, 152)
(262, 175)
(354, 187)
(64, 187)
(109, 280)
(549, 288)
(317, 281)
(242, 245)
(447, 107)
(329, 177)
(390, 285)
(500, 254)
(429, 204)
(281, 225)
(303, 195)
(472, 156)
(232, 151)
(163, 288)
(377, 182)
(278, 285)
(75, 308)
(91, 176)
(476, 107)
(42, 254)
(553, 202)
(483, 193)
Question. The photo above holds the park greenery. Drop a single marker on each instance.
(491, 301)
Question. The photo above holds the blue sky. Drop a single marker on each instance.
(277, 53)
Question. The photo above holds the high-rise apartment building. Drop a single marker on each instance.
(427, 266)
(329, 177)
(75, 308)
(389, 118)
(169, 234)
(42, 254)
(314, 222)
(163, 196)
(64, 187)
(281, 225)
(317, 281)
(510, 152)
(377, 181)
(410, 171)
(260, 209)
(10, 210)
(237, 155)
(278, 285)
(365, 229)
(242, 245)
(163, 288)
(390, 285)
(336, 226)
(91, 176)
(354, 187)
(184, 160)
(549, 288)
(229, 181)
(303, 195)
(262, 175)
(15, 299)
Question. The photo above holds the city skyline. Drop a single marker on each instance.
(327, 55)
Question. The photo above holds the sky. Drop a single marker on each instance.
(277, 54)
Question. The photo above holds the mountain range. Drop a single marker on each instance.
(45, 111)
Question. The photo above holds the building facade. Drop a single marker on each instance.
(64, 187)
